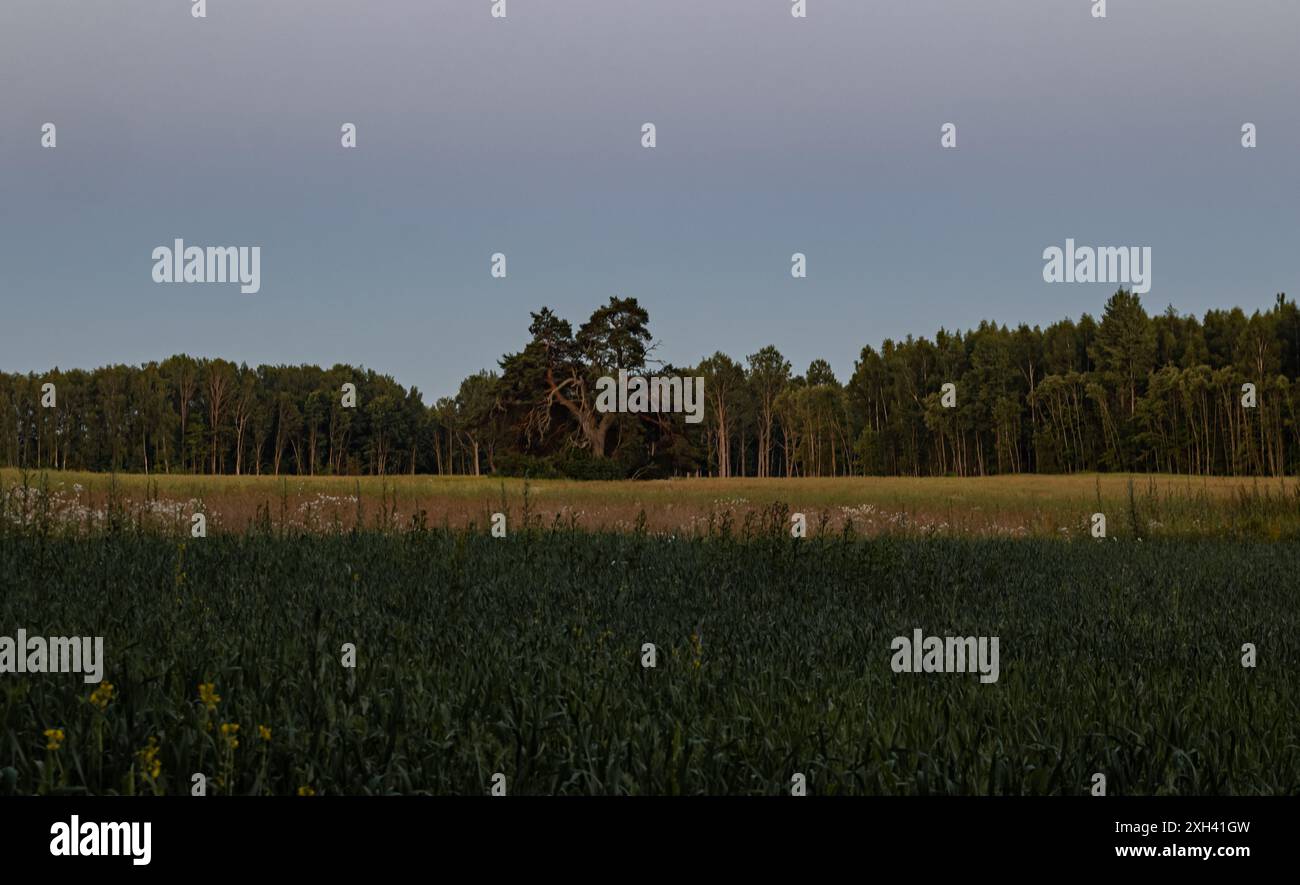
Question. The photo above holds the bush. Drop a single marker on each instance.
(583, 466)
(526, 466)
(568, 466)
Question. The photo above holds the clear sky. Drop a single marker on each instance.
(523, 136)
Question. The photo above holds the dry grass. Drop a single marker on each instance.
(1145, 505)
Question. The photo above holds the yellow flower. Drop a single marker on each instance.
(208, 695)
(150, 766)
(102, 696)
(263, 732)
(53, 738)
(306, 791)
(230, 731)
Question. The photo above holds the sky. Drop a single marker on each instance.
(523, 135)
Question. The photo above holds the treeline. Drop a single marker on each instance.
(1127, 392)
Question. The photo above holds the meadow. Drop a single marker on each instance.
(523, 656)
(1137, 506)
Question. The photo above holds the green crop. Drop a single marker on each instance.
(477, 655)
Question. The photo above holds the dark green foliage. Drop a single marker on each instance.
(572, 465)
(522, 655)
(1128, 392)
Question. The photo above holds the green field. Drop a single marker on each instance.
(477, 655)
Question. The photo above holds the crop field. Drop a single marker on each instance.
(1138, 506)
(525, 656)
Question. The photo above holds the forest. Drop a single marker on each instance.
(1167, 393)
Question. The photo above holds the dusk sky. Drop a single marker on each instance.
(523, 136)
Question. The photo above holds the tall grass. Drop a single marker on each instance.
(521, 655)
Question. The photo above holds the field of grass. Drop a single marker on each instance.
(523, 656)
(1144, 506)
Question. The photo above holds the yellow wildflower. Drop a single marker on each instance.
(150, 765)
(306, 791)
(208, 695)
(263, 732)
(53, 738)
(102, 696)
(230, 731)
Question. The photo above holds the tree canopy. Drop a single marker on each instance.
(1128, 392)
